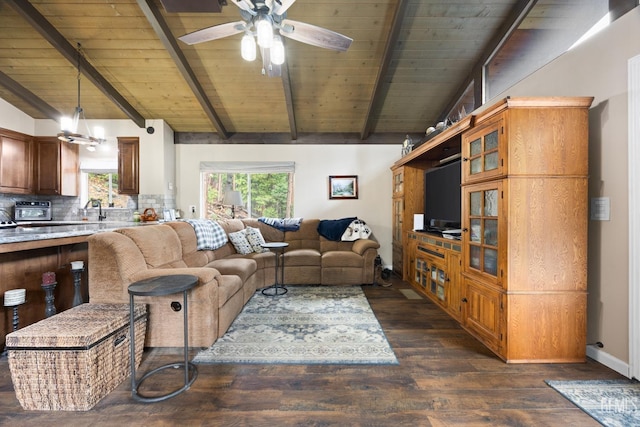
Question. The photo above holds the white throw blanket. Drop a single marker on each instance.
(356, 230)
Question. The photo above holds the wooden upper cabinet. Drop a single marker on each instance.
(129, 165)
(16, 159)
(483, 151)
(57, 167)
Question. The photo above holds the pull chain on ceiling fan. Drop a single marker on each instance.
(259, 20)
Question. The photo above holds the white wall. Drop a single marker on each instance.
(598, 68)
(313, 165)
(13, 119)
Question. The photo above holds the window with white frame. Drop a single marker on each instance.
(265, 189)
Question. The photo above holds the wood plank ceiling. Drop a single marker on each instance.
(408, 61)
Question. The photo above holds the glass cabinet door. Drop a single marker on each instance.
(432, 277)
(481, 151)
(398, 182)
(482, 214)
(398, 211)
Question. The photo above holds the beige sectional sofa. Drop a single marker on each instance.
(227, 279)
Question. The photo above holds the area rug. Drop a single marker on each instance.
(307, 325)
(612, 403)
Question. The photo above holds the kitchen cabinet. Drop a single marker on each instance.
(57, 167)
(128, 165)
(16, 162)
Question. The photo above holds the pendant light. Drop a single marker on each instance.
(69, 126)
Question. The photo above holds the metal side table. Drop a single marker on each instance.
(277, 288)
(159, 286)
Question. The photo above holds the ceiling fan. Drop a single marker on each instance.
(260, 18)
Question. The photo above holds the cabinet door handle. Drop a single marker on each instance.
(465, 159)
(464, 230)
(464, 300)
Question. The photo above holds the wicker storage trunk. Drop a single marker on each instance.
(70, 361)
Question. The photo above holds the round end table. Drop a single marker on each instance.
(159, 286)
(277, 288)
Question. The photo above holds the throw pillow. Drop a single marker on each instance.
(255, 239)
(209, 234)
(240, 242)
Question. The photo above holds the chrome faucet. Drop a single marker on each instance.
(93, 203)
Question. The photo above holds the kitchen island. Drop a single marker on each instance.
(31, 249)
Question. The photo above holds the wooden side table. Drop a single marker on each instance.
(159, 286)
(277, 288)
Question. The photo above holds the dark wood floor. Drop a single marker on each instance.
(445, 377)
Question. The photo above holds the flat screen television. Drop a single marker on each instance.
(442, 197)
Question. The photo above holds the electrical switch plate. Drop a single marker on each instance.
(600, 209)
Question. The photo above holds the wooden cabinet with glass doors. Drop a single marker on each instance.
(524, 222)
(407, 199)
(517, 279)
(434, 269)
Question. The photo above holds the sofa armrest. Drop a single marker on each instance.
(204, 274)
(361, 245)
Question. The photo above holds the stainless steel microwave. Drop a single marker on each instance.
(33, 211)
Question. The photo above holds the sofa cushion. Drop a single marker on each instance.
(270, 234)
(306, 237)
(241, 267)
(240, 242)
(302, 257)
(159, 244)
(341, 259)
(263, 259)
(228, 286)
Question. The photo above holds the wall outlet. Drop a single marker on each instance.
(192, 208)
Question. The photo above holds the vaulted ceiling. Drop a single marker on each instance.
(410, 59)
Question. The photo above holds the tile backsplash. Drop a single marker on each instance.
(66, 208)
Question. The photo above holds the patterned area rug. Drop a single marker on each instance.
(307, 325)
(613, 403)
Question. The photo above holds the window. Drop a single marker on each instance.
(103, 186)
(549, 30)
(266, 189)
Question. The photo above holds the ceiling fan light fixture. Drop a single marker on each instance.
(264, 31)
(277, 51)
(248, 47)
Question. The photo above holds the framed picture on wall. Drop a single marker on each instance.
(343, 187)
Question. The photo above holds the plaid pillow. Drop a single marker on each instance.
(209, 234)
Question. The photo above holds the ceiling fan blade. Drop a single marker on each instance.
(315, 36)
(281, 6)
(213, 33)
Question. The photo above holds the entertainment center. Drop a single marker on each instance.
(516, 277)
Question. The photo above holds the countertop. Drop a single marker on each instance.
(28, 232)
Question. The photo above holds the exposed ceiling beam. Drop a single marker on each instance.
(517, 15)
(288, 97)
(29, 97)
(398, 17)
(304, 138)
(155, 18)
(56, 39)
